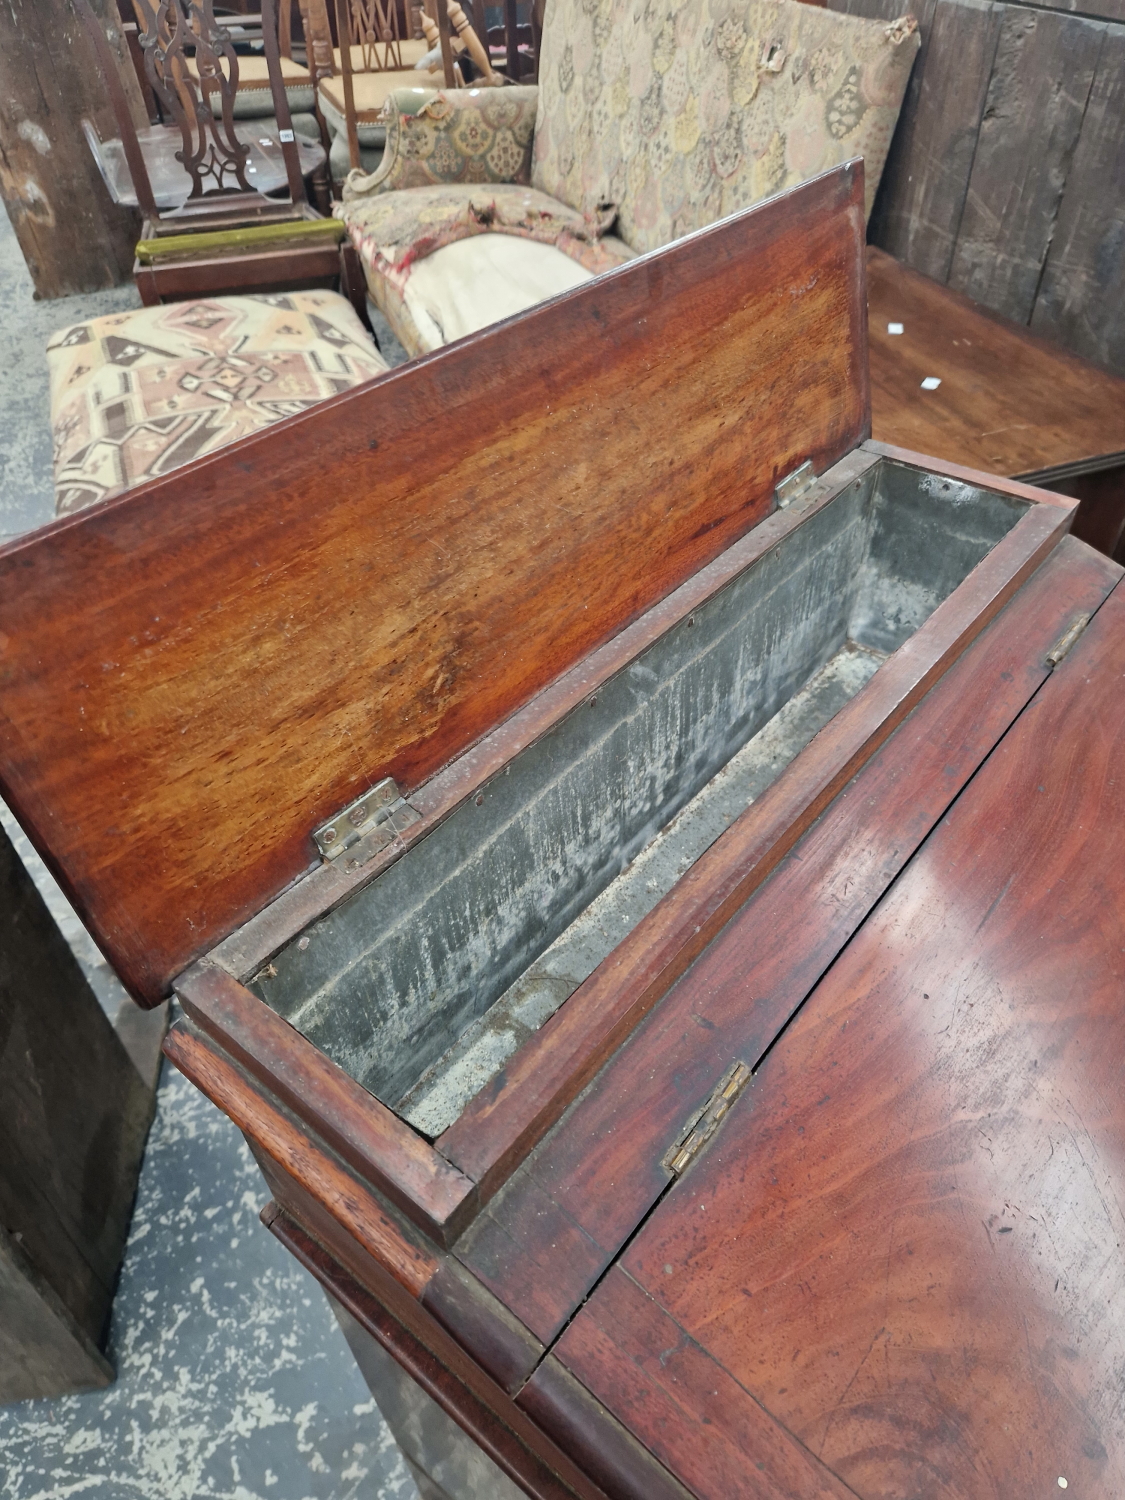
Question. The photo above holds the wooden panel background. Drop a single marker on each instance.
(73, 237)
(195, 675)
(1006, 177)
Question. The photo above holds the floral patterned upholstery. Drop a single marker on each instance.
(393, 230)
(653, 118)
(683, 111)
(452, 135)
(136, 394)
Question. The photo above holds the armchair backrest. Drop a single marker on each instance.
(680, 113)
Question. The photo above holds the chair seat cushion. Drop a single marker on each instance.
(396, 229)
(395, 232)
(370, 58)
(136, 394)
(472, 283)
(370, 92)
(254, 98)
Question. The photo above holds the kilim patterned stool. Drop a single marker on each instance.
(136, 394)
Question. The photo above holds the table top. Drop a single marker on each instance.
(1008, 403)
(895, 1268)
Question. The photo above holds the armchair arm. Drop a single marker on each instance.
(452, 135)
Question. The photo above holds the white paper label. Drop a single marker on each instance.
(285, 135)
(930, 383)
(894, 328)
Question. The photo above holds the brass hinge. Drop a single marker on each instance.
(794, 485)
(704, 1123)
(382, 811)
(1066, 640)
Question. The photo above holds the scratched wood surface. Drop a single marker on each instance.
(682, 1404)
(906, 1240)
(1005, 170)
(551, 1232)
(1008, 403)
(1041, 76)
(193, 676)
(1081, 300)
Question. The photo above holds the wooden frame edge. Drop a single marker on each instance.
(368, 1136)
(499, 1128)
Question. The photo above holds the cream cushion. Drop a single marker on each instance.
(370, 92)
(255, 97)
(466, 286)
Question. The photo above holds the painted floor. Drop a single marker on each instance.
(234, 1381)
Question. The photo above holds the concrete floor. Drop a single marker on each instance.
(234, 1381)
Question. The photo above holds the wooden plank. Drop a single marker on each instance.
(583, 1427)
(197, 673)
(255, 943)
(498, 1128)
(389, 1155)
(1106, 10)
(44, 1351)
(1081, 300)
(74, 1115)
(481, 1409)
(1008, 402)
(922, 195)
(910, 1243)
(1037, 95)
(682, 1405)
(601, 1168)
(407, 1259)
(73, 237)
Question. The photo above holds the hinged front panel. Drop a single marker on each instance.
(195, 676)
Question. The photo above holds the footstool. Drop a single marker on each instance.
(136, 394)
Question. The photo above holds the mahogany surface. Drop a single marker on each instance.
(905, 1242)
(502, 1123)
(196, 674)
(545, 1239)
(1009, 402)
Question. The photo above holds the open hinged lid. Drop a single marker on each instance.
(197, 675)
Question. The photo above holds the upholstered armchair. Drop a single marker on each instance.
(647, 123)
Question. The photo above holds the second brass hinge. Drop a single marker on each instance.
(382, 810)
(704, 1123)
(794, 485)
(1066, 640)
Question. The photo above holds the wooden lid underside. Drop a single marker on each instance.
(196, 675)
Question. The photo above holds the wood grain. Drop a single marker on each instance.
(498, 1127)
(286, 1143)
(256, 942)
(1008, 403)
(600, 1171)
(906, 1242)
(917, 214)
(493, 1421)
(584, 1428)
(74, 238)
(1041, 77)
(683, 1406)
(244, 272)
(1081, 299)
(917, 211)
(74, 1114)
(387, 1153)
(482, 1325)
(196, 674)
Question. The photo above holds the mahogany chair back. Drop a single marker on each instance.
(213, 156)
